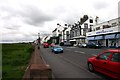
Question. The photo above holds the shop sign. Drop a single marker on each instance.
(104, 31)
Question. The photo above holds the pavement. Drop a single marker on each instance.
(35, 59)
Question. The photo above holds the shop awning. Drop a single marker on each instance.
(118, 35)
(110, 36)
(73, 40)
(98, 37)
(90, 38)
(79, 37)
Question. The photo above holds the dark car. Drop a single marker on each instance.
(93, 45)
(57, 49)
(107, 62)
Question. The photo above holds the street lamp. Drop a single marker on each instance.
(38, 38)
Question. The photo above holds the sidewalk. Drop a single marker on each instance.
(37, 68)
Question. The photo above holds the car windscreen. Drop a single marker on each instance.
(57, 46)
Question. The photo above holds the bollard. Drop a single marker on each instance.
(40, 72)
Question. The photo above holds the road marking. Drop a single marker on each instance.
(71, 47)
(79, 66)
(67, 49)
(80, 52)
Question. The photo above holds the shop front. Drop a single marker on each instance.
(100, 40)
(118, 40)
(110, 40)
(91, 39)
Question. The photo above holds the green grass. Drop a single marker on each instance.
(15, 59)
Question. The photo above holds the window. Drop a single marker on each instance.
(84, 32)
(106, 26)
(114, 24)
(105, 56)
(91, 21)
(67, 32)
(86, 26)
(116, 57)
(98, 28)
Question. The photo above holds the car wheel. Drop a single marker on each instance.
(90, 67)
(55, 52)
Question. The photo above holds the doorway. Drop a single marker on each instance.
(106, 42)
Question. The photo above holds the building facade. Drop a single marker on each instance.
(107, 33)
(58, 34)
(78, 31)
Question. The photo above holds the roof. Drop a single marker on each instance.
(114, 50)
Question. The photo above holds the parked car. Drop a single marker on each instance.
(67, 44)
(52, 44)
(57, 49)
(83, 45)
(107, 63)
(93, 45)
(46, 45)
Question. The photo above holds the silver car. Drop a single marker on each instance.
(82, 45)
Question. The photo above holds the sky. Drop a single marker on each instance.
(22, 20)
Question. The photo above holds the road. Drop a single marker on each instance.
(72, 63)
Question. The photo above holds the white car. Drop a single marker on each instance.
(83, 45)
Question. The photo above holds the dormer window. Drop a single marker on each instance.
(91, 21)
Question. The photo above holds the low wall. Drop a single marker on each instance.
(37, 69)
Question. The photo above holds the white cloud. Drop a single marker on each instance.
(23, 20)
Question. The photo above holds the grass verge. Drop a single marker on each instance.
(15, 59)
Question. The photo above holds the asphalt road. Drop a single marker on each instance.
(72, 63)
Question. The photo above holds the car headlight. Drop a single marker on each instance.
(61, 49)
(96, 45)
(55, 49)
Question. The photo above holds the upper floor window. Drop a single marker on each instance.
(98, 28)
(86, 26)
(114, 24)
(84, 32)
(93, 29)
(91, 21)
(67, 32)
(106, 26)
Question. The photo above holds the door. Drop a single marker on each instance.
(101, 62)
(114, 65)
(106, 42)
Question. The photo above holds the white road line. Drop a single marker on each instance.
(67, 49)
(70, 47)
(78, 65)
(80, 52)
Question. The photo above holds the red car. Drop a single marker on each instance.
(46, 45)
(52, 44)
(107, 63)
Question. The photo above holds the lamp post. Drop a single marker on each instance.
(38, 39)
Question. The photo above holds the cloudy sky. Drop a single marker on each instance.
(22, 20)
